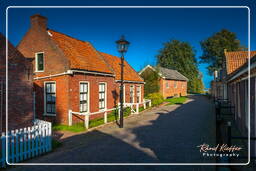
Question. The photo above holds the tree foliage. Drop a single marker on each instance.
(151, 79)
(213, 48)
(181, 57)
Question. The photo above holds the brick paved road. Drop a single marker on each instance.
(168, 134)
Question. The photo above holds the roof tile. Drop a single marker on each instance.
(81, 54)
(236, 59)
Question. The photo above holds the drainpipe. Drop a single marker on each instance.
(34, 105)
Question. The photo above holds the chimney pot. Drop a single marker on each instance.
(38, 21)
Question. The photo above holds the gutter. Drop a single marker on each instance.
(71, 72)
(125, 81)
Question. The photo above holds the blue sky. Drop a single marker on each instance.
(146, 29)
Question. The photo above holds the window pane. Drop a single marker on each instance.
(40, 61)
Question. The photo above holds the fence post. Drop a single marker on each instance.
(50, 136)
(3, 139)
(105, 117)
(144, 104)
(119, 112)
(17, 146)
(149, 103)
(21, 144)
(69, 117)
(137, 108)
(86, 120)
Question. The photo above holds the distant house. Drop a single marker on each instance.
(70, 74)
(20, 88)
(171, 82)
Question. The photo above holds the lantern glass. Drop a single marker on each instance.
(122, 45)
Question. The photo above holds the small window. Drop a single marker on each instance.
(175, 84)
(131, 94)
(50, 98)
(138, 94)
(167, 84)
(102, 95)
(83, 97)
(39, 61)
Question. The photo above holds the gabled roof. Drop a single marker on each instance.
(129, 73)
(236, 59)
(171, 74)
(166, 73)
(81, 54)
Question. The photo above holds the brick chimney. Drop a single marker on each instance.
(38, 22)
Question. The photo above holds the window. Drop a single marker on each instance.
(167, 84)
(131, 94)
(83, 97)
(50, 98)
(102, 95)
(39, 62)
(175, 84)
(138, 94)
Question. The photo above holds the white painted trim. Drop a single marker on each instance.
(106, 92)
(149, 66)
(242, 72)
(139, 86)
(126, 81)
(71, 72)
(88, 96)
(95, 73)
(133, 93)
(37, 61)
(45, 113)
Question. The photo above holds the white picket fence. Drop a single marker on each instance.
(26, 143)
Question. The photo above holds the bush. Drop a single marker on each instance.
(156, 99)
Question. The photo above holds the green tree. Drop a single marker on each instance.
(151, 79)
(213, 48)
(181, 57)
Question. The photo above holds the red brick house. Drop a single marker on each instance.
(171, 82)
(234, 82)
(237, 91)
(70, 74)
(20, 88)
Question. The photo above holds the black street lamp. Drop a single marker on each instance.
(122, 47)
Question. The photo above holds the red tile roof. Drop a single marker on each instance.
(236, 59)
(129, 73)
(81, 54)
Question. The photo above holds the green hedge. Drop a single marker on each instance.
(156, 99)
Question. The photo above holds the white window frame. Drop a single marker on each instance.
(36, 70)
(45, 111)
(106, 90)
(175, 84)
(138, 87)
(167, 84)
(88, 96)
(133, 93)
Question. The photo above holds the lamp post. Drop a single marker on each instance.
(122, 47)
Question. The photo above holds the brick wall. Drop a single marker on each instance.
(20, 98)
(67, 95)
(171, 90)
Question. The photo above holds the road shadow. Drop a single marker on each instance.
(172, 137)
